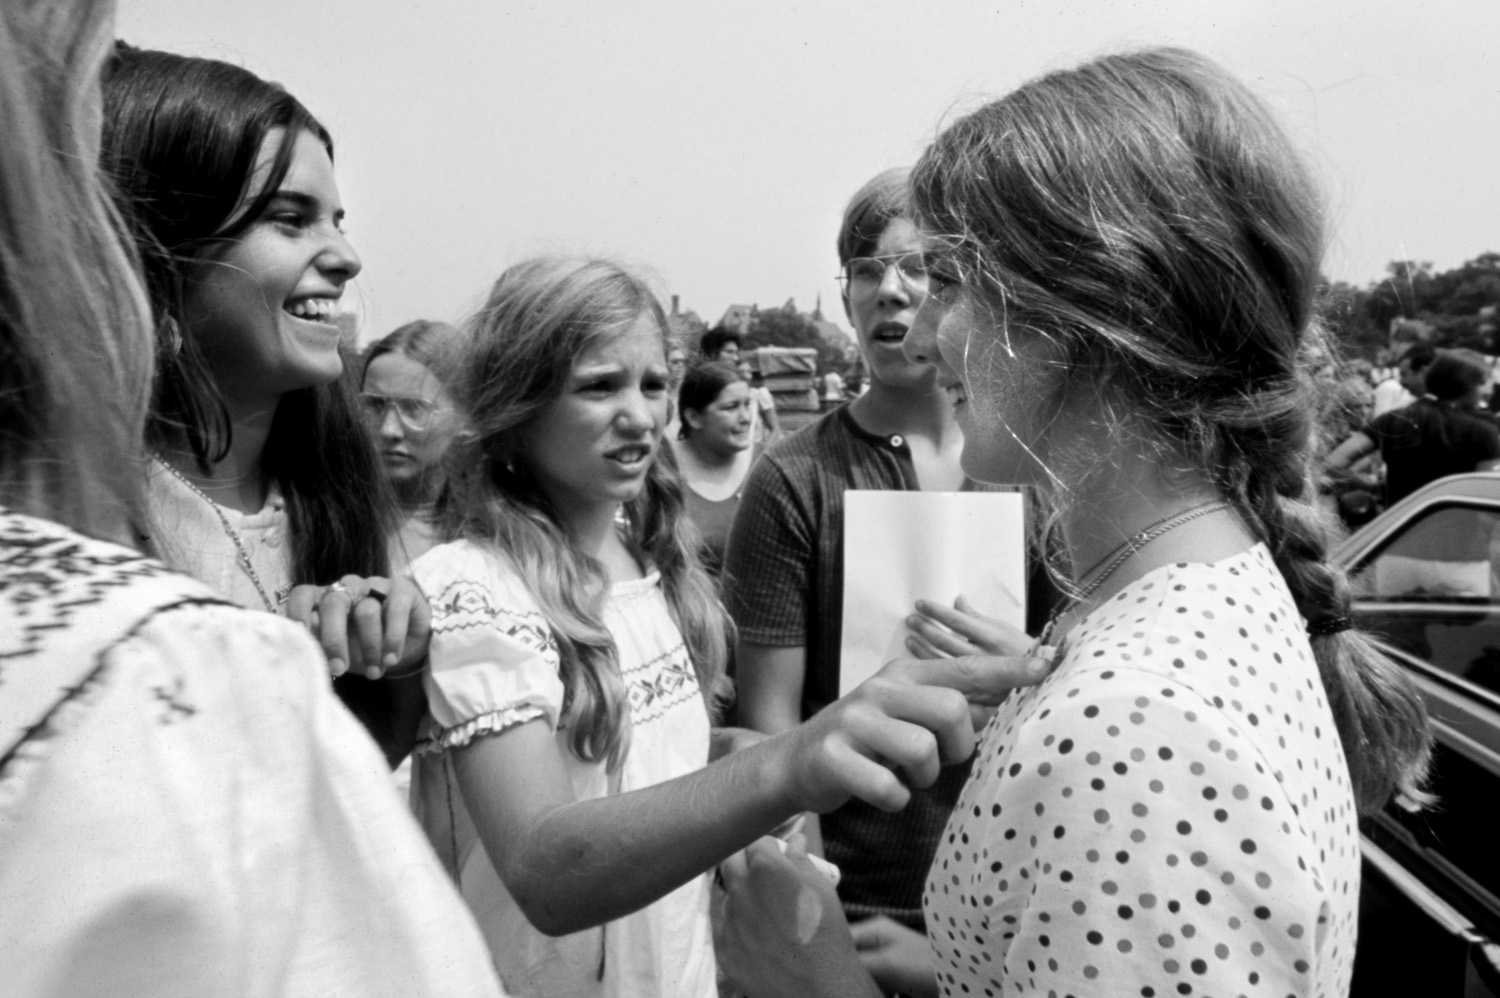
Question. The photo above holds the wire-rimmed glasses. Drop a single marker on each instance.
(415, 412)
(863, 275)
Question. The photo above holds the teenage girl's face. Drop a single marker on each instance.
(882, 320)
(591, 447)
(409, 453)
(724, 425)
(1003, 387)
(263, 306)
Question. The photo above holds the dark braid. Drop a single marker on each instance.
(1371, 701)
(1147, 220)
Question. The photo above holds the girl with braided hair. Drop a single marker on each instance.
(1123, 265)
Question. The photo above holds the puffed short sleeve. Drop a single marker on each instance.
(493, 661)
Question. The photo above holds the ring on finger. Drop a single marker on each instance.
(338, 587)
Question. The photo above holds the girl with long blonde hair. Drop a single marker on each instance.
(578, 655)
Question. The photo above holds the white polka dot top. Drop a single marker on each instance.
(1169, 813)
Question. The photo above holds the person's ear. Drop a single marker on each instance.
(693, 418)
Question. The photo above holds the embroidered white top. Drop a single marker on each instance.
(494, 664)
(186, 809)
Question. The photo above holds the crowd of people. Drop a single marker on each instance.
(1432, 418)
(539, 559)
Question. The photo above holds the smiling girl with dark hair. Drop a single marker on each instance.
(228, 183)
(264, 474)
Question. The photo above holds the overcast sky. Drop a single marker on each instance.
(715, 143)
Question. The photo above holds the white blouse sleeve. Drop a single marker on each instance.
(204, 817)
(493, 661)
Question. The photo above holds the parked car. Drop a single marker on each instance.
(1426, 574)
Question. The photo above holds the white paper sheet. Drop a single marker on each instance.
(903, 546)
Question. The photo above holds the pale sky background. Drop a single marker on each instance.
(715, 143)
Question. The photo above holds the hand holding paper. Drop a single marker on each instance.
(901, 547)
(939, 631)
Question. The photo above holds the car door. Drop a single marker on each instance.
(1430, 903)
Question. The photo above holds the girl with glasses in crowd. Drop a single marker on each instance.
(263, 476)
(408, 407)
(405, 400)
(185, 808)
(1125, 262)
(783, 575)
(578, 653)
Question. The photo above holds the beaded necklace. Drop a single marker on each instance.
(239, 545)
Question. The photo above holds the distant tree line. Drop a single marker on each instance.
(786, 327)
(1452, 308)
(769, 327)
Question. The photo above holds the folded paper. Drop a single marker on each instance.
(903, 546)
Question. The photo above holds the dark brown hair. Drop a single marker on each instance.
(883, 199)
(1455, 375)
(701, 385)
(181, 140)
(1147, 216)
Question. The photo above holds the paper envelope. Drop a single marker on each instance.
(903, 546)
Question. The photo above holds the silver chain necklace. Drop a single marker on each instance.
(239, 545)
(1116, 558)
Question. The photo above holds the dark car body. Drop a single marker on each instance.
(1427, 580)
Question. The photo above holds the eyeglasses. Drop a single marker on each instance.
(415, 412)
(863, 275)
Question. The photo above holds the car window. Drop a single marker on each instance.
(1433, 590)
(1447, 553)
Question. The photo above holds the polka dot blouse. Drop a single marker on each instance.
(1169, 813)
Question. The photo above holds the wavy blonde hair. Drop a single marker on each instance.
(542, 315)
(76, 343)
